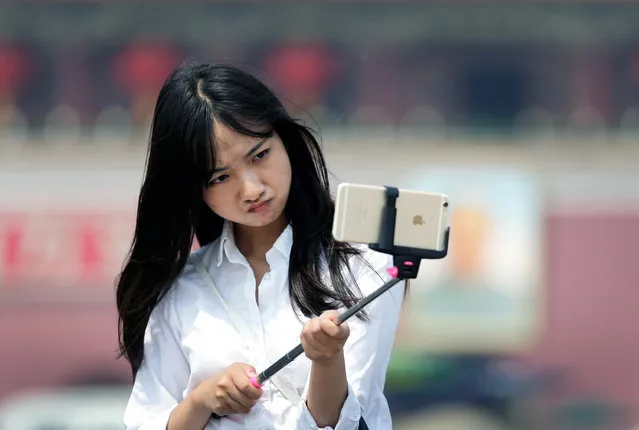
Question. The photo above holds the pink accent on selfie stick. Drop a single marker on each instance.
(254, 382)
(393, 271)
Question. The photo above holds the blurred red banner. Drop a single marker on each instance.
(62, 251)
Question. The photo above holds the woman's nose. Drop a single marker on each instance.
(252, 188)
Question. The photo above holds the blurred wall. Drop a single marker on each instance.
(591, 237)
(397, 89)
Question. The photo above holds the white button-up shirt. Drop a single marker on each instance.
(190, 338)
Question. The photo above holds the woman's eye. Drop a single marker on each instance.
(261, 155)
(218, 180)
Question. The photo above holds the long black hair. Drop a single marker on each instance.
(171, 210)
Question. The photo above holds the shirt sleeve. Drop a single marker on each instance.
(367, 352)
(160, 381)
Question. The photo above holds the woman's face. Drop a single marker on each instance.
(252, 178)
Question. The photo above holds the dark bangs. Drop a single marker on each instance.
(202, 148)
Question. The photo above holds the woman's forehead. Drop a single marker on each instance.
(229, 144)
(225, 137)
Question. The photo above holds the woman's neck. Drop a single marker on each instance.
(254, 242)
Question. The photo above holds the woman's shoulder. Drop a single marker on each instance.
(199, 256)
(190, 276)
(369, 262)
(369, 268)
(188, 286)
(375, 258)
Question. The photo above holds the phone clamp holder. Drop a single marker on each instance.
(405, 259)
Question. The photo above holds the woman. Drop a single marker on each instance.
(227, 165)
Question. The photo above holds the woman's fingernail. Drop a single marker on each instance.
(255, 382)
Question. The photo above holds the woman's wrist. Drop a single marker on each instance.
(330, 371)
(191, 413)
(197, 404)
(328, 389)
(333, 361)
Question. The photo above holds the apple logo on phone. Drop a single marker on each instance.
(418, 220)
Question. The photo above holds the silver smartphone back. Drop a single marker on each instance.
(421, 221)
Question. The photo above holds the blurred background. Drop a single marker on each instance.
(525, 113)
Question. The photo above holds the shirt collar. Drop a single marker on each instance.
(226, 240)
(228, 248)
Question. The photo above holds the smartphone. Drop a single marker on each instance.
(421, 220)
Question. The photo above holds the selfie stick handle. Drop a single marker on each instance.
(406, 266)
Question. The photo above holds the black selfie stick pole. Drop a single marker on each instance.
(406, 266)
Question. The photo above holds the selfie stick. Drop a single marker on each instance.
(406, 266)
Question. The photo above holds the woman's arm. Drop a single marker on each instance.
(163, 376)
(365, 355)
(157, 402)
(229, 392)
(190, 414)
(328, 389)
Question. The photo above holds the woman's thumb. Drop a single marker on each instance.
(249, 370)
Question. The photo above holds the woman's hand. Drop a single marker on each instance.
(230, 392)
(322, 339)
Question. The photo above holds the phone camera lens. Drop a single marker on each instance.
(445, 204)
